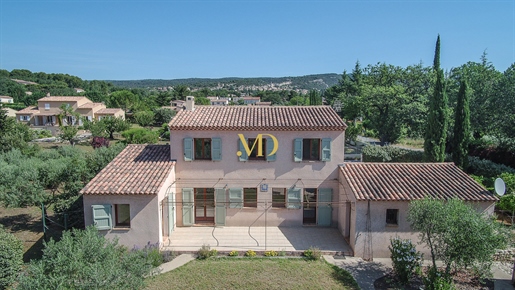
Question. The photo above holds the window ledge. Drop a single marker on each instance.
(392, 225)
(121, 229)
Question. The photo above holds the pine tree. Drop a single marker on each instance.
(314, 98)
(436, 131)
(461, 127)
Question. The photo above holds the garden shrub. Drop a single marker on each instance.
(140, 136)
(205, 252)
(152, 253)
(406, 259)
(487, 168)
(11, 258)
(436, 280)
(271, 253)
(234, 253)
(250, 253)
(313, 253)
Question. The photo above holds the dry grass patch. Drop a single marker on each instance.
(254, 273)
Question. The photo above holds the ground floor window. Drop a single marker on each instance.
(122, 215)
(392, 216)
(278, 197)
(250, 197)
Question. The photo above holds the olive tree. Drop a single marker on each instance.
(457, 233)
(83, 259)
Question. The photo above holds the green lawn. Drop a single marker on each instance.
(254, 273)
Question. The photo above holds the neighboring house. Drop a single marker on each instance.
(250, 100)
(48, 108)
(217, 101)
(78, 90)
(10, 112)
(227, 166)
(6, 99)
(177, 105)
(263, 104)
(22, 82)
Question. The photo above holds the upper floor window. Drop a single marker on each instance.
(312, 149)
(47, 106)
(202, 149)
(254, 146)
(256, 149)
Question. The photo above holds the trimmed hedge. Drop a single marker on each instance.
(11, 258)
(391, 154)
(487, 168)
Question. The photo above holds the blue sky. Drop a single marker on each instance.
(166, 39)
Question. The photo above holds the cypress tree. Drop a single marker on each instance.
(461, 128)
(436, 130)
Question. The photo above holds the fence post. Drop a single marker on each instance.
(43, 220)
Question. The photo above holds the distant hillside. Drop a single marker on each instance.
(309, 82)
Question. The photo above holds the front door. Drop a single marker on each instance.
(204, 205)
(310, 206)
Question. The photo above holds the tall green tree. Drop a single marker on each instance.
(437, 120)
(461, 128)
(122, 99)
(315, 98)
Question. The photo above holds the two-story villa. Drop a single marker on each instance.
(253, 166)
(48, 108)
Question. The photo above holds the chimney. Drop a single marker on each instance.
(190, 103)
(48, 94)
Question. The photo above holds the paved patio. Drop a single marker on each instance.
(258, 239)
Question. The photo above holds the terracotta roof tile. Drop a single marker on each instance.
(137, 170)
(109, 111)
(278, 118)
(28, 111)
(62, 99)
(409, 181)
(90, 105)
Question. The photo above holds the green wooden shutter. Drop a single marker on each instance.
(236, 197)
(220, 202)
(188, 149)
(188, 213)
(243, 156)
(297, 150)
(269, 148)
(326, 149)
(102, 216)
(294, 198)
(325, 211)
(216, 149)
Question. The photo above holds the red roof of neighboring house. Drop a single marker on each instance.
(137, 170)
(409, 181)
(6, 97)
(280, 118)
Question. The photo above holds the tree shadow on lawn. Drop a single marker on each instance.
(344, 277)
(22, 222)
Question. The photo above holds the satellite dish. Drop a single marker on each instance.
(500, 186)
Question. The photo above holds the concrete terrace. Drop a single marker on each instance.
(289, 239)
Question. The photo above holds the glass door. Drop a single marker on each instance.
(204, 205)
(310, 206)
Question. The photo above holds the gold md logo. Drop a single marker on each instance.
(259, 142)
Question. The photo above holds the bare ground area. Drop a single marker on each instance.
(26, 225)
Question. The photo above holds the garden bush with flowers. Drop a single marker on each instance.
(406, 260)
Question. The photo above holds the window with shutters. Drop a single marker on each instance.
(254, 155)
(312, 149)
(202, 149)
